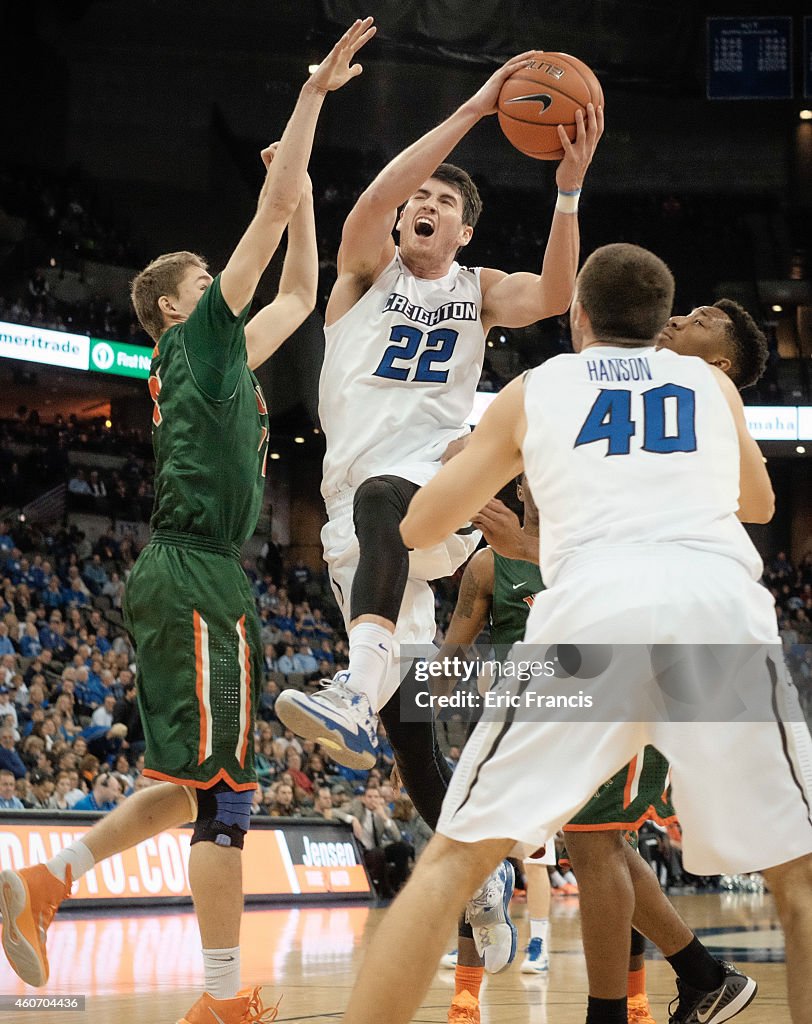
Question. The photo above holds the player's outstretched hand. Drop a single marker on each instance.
(337, 68)
(484, 100)
(501, 529)
(569, 175)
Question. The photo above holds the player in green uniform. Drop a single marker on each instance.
(188, 605)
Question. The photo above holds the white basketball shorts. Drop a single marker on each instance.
(415, 623)
(742, 789)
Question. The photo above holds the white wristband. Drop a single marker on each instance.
(567, 202)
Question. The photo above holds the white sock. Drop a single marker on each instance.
(221, 968)
(556, 879)
(77, 855)
(370, 657)
(570, 878)
(540, 929)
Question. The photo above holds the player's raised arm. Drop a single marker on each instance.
(469, 619)
(473, 603)
(470, 479)
(296, 298)
(756, 497)
(516, 300)
(285, 178)
(366, 243)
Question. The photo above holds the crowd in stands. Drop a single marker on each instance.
(67, 223)
(35, 306)
(34, 457)
(66, 216)
(70, 733)
(791, 586)
(705, 239)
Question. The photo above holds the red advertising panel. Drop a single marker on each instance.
(309, 858)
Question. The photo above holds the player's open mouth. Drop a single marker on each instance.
(423, 227)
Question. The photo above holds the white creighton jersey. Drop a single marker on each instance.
(628, 447)
(399, 377)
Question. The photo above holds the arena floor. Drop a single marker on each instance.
(146, 967)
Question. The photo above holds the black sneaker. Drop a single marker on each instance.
(694, 1007)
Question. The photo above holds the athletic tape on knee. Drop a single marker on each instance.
(223, 816)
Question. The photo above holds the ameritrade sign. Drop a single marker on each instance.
(37, 345)
(73, 351)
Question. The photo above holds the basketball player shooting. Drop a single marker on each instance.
(405, 340)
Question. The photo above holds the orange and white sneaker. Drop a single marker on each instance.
(639, 1010)
(29, 898)
(245, 1008)
(464, 1009)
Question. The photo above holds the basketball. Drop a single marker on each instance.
(537, 98)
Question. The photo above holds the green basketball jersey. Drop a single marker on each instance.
(515, 584)
(209, 426)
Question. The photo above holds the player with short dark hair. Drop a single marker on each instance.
(188, 605)
(724, 335)
(405, 340)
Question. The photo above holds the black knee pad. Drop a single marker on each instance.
(223, 816)
(379, 505)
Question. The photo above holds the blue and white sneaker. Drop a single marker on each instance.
(487, 913)
(337, 717)
(536, 961)
(449, 961)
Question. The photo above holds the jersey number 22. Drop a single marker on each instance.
(439, 349)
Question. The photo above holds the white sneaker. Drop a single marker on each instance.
(487, 913)
(337, 717)
(536, 961)
(449, 961)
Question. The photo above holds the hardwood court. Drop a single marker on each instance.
(145, 969)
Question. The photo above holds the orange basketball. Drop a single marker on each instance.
(537, 98)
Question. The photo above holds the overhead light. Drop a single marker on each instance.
(801, 450)
(313, 68)
(316, 430)
(805, 115)
(108, 423)
(777, 309)
(299, 440)
(763, 459)
(275, 455)
(490, 344)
